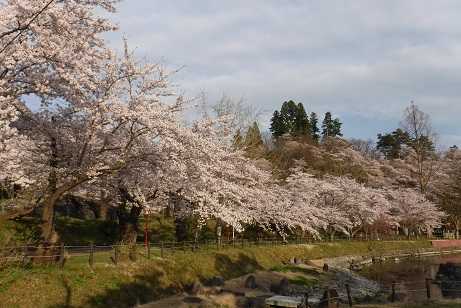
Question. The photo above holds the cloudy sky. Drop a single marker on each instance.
(363, 60)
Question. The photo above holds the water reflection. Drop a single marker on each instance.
(408, 277)
(449, 279)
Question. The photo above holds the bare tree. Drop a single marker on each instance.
(242, 115)
(366, 147)
(418, 126)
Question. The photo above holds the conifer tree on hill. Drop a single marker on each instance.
(288, 113)
(315, 131)
(253, 137)
(391, 144)
(301, 125)
(277, 127)
(331, 127)
(292, 119)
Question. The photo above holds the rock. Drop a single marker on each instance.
(254, 302)
(196, 288)
(332, 294)
(216, 281)
(449, 275)
(281, 288)
(284, 287)
(250, 282)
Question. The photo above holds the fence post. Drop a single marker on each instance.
(349, 297)
(393, 292)
(161, 249)
(24, 257)
(61, 256)
(116, 254)
(133, 254)
(91, 258)
(148, 250)
(428, 288)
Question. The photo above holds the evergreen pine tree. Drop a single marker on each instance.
(330, 127)
(391, 144)
(327, 126)
(301, 125)
(278, 127)
(336, 127)
(314, 127)
(288, 114)
(253, 137)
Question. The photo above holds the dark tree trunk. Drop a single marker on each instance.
(103, 210)
(48, 233)
(52, 196)
(128, 216)
(49, 238)
(128, 220)
(181, 230)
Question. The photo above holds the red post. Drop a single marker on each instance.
(146, 232)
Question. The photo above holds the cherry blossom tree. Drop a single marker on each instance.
(414, 212)
(447, 188)
(51, 50)
(11, 146)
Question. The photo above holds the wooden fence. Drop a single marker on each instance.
(94, 253)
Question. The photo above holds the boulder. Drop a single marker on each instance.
(216, 281)
(250, 282)
(196, 288)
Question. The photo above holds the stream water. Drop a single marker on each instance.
(409, 277)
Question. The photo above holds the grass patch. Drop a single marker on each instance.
(295, 269)
(303, 281)
(124, 285)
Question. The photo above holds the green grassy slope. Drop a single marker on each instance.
(124, 285)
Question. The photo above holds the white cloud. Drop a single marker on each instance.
(359, 59)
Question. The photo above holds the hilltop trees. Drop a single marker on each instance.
(253, 137)
(301, 125)
(315, 130)
(391, 145)
(331, 127)
(416, 140)
(292, 119)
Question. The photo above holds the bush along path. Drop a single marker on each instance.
(129, 283)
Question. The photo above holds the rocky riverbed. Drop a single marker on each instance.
(293, 279)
